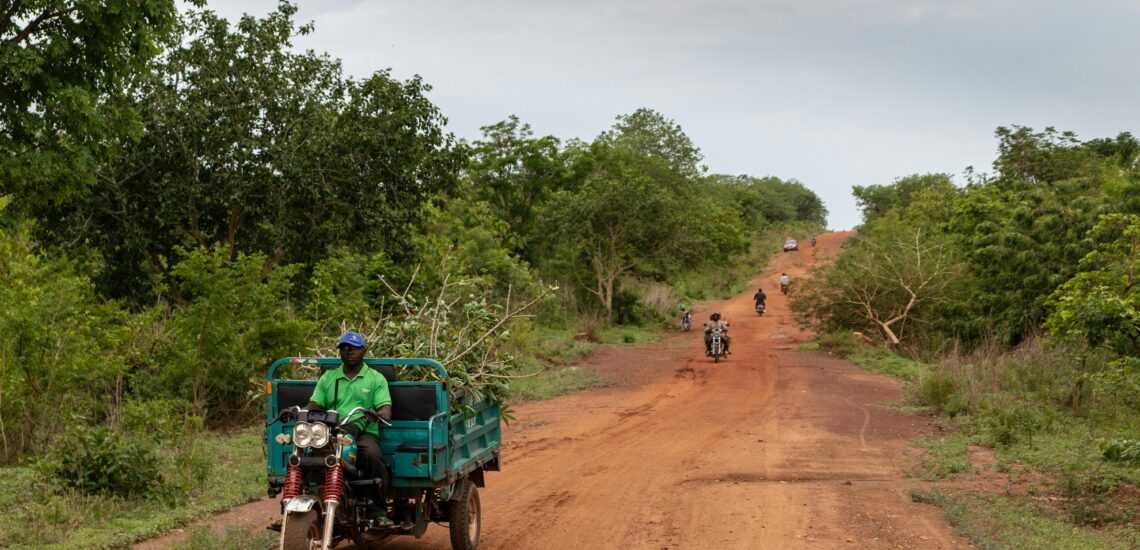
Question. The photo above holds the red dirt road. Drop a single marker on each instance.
(770, 449)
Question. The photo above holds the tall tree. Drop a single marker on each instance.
(262, 150)
(60, 60)
(514, 172)
(618, 221)
(650, 135)
(1101, 304)
(876, 200)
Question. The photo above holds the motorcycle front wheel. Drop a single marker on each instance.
(302, 531)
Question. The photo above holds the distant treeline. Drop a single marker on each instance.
(183, 200)
(1047, 244)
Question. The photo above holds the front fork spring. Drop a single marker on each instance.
(292, 483)
(334, 480)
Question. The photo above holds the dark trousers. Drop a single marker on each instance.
(371, 465)
(724, 340)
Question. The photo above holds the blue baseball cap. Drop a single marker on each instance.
(351, 339)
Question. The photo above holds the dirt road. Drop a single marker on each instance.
(770, 449)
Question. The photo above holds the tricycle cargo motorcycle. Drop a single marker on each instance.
(436, 449)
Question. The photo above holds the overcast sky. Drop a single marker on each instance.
(833, 93)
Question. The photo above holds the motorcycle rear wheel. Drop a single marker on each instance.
(465, 517)
(301, 531)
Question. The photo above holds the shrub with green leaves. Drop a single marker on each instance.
(60, 345)
(1121, 450)
(1008, 421)
(98, 460)
(236, 319)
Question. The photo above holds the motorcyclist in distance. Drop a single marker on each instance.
(785, 282)
(716, 322)
(760, 297)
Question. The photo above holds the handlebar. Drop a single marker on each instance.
(294, 411)
(366, 412)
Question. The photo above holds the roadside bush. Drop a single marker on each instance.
(936, 389)
(1009, 421)
(59, 346)
(1121, 450)
(160, 420)
(628, 310)
(98, 460)
(842, 344)
(236, 320)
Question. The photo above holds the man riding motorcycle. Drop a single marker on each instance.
(715, 322)
(760, 297)
(350, 386)
(785, 282)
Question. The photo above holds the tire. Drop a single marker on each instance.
(465, 517)
(301, 530)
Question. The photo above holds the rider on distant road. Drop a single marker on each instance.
(760, 297)
(785, 282)
(716, 322)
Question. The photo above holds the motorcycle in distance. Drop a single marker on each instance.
(686, 321)
(716, 347)
(759, 308)
(784, 287)
(813, 241)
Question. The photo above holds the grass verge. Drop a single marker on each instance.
(942, 458)
(36, 516)
(234, 538)
(1049, 430)
(997, 523)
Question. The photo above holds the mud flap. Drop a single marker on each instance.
(300, 504)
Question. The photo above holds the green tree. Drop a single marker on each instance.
(652, 136)
(514, 172)
(877, 200)
(1100, 306)
(618, 221)
(1023, 240)
(237, 319)
(60, 61)
(885, 281)
(262, 150)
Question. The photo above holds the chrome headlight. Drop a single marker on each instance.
(302, 434)
(320, 435)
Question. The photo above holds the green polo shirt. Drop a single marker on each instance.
(369, 389)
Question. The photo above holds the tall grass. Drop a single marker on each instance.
(38, 515)
(1041, 407)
